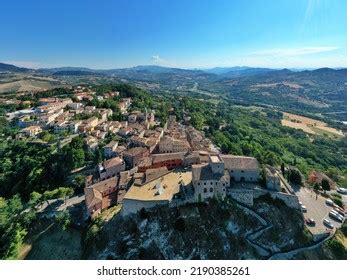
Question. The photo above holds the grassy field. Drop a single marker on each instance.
(22, 83)
(310, 126)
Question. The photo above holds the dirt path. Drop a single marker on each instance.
(292, 253)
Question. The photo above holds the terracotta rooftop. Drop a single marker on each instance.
(170, 156)
(135, 151)
(112, 162)
(93, 193)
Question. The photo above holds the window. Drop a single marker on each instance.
(211, 183)
(204, 183)
(242, 171)
(199, 184)
(211, 189)
(205, 190)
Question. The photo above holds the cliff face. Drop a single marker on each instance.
(217, 230)
(286, 231)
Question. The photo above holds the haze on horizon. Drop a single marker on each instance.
(185, 34)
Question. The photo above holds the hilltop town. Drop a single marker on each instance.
(148, 164)
(128, 154)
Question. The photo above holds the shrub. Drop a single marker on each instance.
(294, 177)
(337, 201)
(344, 228)
(325, 185)
(337, 248)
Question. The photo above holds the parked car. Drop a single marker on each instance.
(329, 202)
(303, 208)
(310, 222)
(339, 210)
(337, 213)
(336, 216)
(328, 224)
(342, 190)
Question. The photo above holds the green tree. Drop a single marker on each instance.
(13, 223)
(282, 168)
(76, 158)
(197, 120)
(79, 182)
(64, 219)
(316, 187)
(35, 199)
(337, 249)
(325, 185)
(64, 193)
(294, 177)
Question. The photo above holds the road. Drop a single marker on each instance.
(316, 209)
(59, 205)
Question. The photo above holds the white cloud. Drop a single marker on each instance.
(290, 52)
(156, 59)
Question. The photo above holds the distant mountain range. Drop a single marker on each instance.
(319, 90)
(12, 68)
(145, 70)
(238, 71)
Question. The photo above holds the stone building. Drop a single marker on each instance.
(273, 181)
(111, 167)
(241, 168)
(100, 196)
(210, 179)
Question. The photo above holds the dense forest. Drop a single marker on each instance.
(258, 132)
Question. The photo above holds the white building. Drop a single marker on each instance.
(75, 105)
(61, 127)
(73, 126)
(31, 131)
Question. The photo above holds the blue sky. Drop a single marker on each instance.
(178, 33)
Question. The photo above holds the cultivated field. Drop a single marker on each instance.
(308, 125)
(21, 83)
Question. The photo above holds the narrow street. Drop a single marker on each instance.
(58, 205)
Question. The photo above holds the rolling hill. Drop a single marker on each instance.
(319, 91)
(12, 68)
